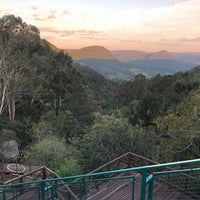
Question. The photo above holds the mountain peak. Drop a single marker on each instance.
(163, 54)
(94, 48)
(94, 52)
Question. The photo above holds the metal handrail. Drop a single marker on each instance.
(142, 169)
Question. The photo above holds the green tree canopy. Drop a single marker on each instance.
(111, 136)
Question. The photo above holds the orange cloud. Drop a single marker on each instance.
(70, 32)
(41, 14)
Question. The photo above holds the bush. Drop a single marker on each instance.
(69, 167)
(48, 152)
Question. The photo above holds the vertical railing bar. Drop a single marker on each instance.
(43, 190)
(13, 192)
(39, 193)
(84, 189)
(143, 184)
(81, 190)
(133, 188)
(151, 186)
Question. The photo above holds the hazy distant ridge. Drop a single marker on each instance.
(100, 52)
(125, 64)
(93, 52)
(141, 55)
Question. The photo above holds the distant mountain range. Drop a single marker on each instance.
(141, 55)
(100, 52)
(125, 64)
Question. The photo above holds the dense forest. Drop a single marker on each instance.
(72, 119)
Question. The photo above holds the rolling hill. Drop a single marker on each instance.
(130, 55)
(161, 55)
(93, 52)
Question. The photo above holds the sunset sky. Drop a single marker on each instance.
(148, 25)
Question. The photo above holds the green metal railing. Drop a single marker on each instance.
(182, 177)
(186, 181)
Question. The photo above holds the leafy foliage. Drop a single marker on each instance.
(110, 137)
(182, 129)
(69, 167)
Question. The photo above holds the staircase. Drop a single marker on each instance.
(128, 177)
(122, 190)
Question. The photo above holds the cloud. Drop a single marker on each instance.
(43, 13)
(83, 34)
(196, 39)
(164, 40)
(93, 38)
(50, 15)
(134, 41)
(182, 39)
(69, 32)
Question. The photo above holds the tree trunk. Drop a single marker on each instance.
(11, 107)
(3, 97)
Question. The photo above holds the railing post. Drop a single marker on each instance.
(133, 188)
(150, 190)
(143, 184)
(81, 191)
(84, 189)
(21, 181)
(43, 190)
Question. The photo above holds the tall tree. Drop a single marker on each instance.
(17, 41)
(179, 131)
(60, 76)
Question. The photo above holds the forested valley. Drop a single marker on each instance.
(71, 119)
